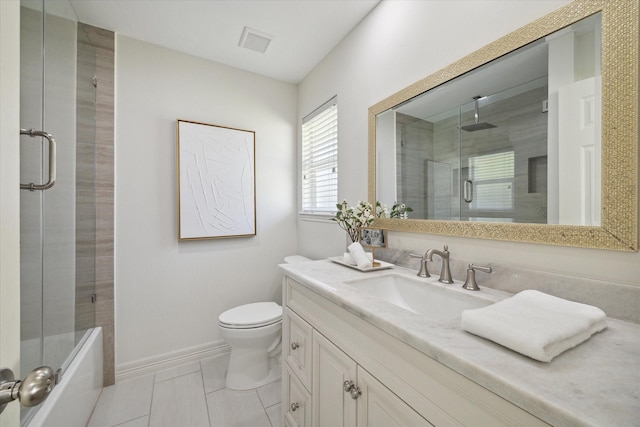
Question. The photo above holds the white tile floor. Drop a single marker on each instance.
(191, 395)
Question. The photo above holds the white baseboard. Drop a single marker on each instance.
(151, 365)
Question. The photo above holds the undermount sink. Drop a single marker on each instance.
(422, 296)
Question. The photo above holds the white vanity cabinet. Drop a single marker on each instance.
(343, 394)
(332, 405)
(346, 395)
(326, 346)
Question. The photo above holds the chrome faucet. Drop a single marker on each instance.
(424, 272)
(470, 284)
(445, 273)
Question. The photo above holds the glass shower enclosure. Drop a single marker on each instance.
(57, 224)
(485, 160)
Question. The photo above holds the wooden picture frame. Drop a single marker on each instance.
(373, 238)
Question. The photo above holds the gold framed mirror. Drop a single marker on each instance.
(617, 225)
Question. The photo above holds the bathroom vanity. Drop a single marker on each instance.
(355, 358)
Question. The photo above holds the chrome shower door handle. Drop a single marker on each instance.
(467, 188)
(52, 160)
(31, 391)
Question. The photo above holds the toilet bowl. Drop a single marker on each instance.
(254, 332)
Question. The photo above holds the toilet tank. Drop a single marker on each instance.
(295, 259)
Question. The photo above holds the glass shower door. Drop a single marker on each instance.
(57, 96)
(32, 169)
(503, 154)
(487, 158)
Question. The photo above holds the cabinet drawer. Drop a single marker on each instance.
(296, 401)
(297, 346)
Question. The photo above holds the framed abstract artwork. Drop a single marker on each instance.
(216, 181)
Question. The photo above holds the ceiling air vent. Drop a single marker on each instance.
(254, 40)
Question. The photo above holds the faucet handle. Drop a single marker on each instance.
(424, 272)
(470, 284)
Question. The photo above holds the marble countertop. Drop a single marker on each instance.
(596, 383)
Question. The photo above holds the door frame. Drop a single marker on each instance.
(10, 197)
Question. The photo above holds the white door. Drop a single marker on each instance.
(332, 406)
(579, 152)
(379, 407)
(9, 197)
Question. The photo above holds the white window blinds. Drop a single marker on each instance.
(320, 159)
(493, 180)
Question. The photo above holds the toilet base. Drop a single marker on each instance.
(251, 369)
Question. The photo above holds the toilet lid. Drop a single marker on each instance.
(251, 315)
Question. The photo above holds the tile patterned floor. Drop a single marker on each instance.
(191, 395)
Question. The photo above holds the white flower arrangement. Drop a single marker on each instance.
(400, 211)
(354, 219)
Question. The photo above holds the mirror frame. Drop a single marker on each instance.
(620, 104)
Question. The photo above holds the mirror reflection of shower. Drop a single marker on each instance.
(482, 161)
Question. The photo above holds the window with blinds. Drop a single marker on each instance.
(492, 177)
(320, 159)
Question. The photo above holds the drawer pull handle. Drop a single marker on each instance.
(294, 345)
(294, 406)
(352, 389)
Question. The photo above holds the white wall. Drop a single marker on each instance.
(168, 294)
(399, 43)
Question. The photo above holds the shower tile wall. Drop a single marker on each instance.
(103, 43)
(85, 185)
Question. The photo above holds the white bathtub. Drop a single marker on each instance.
(71, 402)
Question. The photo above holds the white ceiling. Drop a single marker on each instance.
(303, 31)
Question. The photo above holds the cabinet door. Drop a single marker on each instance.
(296, 401)
(379, 407)
(332, 406)
(296, 340)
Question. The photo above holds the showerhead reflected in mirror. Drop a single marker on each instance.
(526, 151)
(477, 125)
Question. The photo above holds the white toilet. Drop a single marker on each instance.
(254, 333)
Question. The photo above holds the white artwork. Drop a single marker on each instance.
(216, 181)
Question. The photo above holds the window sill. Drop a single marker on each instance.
(315, 217)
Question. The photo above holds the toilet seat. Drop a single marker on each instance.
(250, 316)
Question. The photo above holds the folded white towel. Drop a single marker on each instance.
(535, 324)
(347, 258)
(360, 257)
